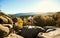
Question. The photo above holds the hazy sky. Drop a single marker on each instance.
(23, 6)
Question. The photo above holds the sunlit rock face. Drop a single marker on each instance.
(5, 19)
(13, 35)
(51, 34)
(4, 31)
(6, 24)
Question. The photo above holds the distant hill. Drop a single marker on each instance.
(31, 13)
(24, 14)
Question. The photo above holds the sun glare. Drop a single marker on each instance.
(46, 6)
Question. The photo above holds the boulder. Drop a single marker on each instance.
(3, 20)
(13, 35)
(4, 31)
(51, 34)
(31, 31)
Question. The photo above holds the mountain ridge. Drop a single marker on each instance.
(24, 14)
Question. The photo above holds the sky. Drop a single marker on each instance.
(26, 6)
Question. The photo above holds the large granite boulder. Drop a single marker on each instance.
(51, 34)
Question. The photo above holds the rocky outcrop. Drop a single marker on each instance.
(6, 23)
(51, 34)
(4, 31)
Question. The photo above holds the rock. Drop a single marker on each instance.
(8, 25)
(31, 31)
(39, 35)
(13, 35)
(4, 31)
(3, 20)
(49, 28)
(51, 34)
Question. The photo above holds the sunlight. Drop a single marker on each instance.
(46, 6)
